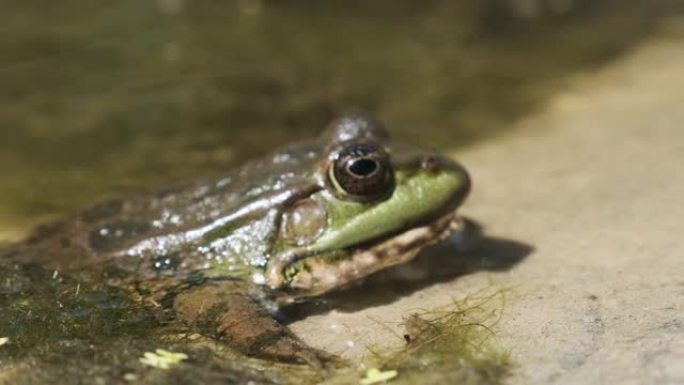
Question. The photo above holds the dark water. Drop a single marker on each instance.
(101, 97)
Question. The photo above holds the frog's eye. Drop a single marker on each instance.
(361, 173)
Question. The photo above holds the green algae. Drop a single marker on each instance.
(452, 344)
(40, 307)
(81, 329)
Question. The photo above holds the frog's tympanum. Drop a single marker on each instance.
(224, 254)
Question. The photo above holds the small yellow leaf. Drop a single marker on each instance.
(162, 359)
(374, 376)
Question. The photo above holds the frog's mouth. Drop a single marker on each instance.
(305, 276)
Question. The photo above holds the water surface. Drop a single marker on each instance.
(102, 97)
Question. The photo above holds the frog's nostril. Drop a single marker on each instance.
(431, 163)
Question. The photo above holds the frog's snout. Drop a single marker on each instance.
(441, 164)
(435, 163)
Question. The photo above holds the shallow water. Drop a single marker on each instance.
(101, 98)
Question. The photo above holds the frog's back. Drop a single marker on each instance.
(92, 235)
(105, 231)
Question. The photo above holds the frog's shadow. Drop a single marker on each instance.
(468, 252)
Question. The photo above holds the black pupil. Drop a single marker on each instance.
(363, 167)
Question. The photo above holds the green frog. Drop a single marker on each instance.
(224, 254)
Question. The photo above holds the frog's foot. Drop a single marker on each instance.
(223, 312)
(283, 346)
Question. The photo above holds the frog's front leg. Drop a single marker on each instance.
(222, 310)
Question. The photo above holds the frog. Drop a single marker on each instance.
(224, 254)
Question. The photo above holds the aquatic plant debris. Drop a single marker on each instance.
(162, 359)
(374, 376)
(453, 341)
(3, 340)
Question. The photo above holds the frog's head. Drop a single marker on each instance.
(378, 203)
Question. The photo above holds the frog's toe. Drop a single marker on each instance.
(290, 349)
